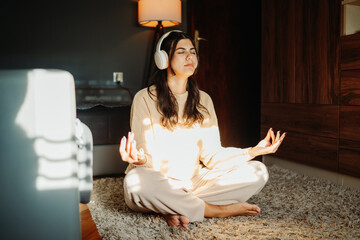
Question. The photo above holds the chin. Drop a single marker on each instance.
(185, 73)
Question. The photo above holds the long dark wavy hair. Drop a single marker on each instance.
(165, 99)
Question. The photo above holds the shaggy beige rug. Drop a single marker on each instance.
(293, 206)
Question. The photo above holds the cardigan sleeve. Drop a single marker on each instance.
(212, 154)
(140, 124)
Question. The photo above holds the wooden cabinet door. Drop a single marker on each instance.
(300, 78)
(300, 51)
(278, 51)
(349, 149)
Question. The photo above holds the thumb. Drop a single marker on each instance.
(268, 135)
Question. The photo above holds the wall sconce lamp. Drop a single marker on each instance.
(158, 14)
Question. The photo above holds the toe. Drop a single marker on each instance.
(184, 221)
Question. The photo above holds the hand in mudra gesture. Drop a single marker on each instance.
(269, 144)
(129, 152)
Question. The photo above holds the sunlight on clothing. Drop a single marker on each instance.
(133, 183)
(246, 171)
(147, 121)
(182, 146)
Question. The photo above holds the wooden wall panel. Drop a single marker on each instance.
(278, 51)
(307, 149)
(350, 52)
(317, 51)
(349, 157)
(350, 87)
(320, 120)
(350, 123)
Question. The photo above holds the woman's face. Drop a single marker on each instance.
(184, 61)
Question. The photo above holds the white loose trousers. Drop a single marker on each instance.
(147, 190)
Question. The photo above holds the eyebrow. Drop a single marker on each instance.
(181, 48)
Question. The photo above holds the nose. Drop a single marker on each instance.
(188, 56)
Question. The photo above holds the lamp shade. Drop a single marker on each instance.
(166, 11)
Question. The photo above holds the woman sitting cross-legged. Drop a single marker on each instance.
(177, 166)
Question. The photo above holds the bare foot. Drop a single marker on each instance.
(176, 220)
(243, 209)
(236, 209)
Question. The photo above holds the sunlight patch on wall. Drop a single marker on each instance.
(47, 116)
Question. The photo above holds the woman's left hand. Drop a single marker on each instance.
(268, 145)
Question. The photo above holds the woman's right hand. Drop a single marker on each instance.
(129, 152)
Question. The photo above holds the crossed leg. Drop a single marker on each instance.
(179, 208)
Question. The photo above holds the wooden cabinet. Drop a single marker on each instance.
(278, 51)
(311, 138)
(311, 83)
(300, 51)
(317, 35)
(349, 144)
(300, 78)
(350, 52)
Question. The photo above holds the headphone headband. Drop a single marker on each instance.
(161, 57)
(158, 46)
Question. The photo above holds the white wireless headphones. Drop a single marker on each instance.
(161, 57)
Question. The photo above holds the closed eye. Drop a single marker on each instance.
(182, 52)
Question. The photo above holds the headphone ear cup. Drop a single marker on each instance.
(161, 59)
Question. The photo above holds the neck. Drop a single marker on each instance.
(177, 84)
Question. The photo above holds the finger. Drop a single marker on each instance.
(128, 142)
(123, 153)
(282, 137)
(268, 135)
(277, 136)
(134, 151)
(272, 135)
(122, 144)
(275, 146)
(128, 145)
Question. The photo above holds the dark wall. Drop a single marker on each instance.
(230, 65)
(90, 39)
(246, 69)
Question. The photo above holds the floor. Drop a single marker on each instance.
(88, 227)
(89, 230)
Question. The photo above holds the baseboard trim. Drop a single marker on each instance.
(338, 178)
